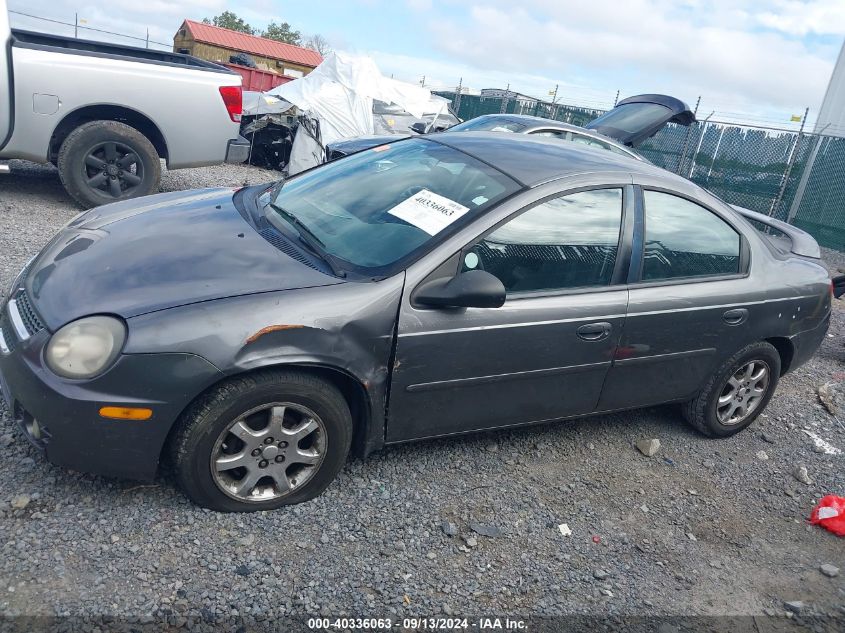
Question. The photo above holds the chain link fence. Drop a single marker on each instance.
(793, 176)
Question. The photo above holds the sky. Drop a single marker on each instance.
(750, 61)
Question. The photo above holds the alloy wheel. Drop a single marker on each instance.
(743, 392)
(113, 168)
(268, 452)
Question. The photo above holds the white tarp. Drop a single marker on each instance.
(339, 93)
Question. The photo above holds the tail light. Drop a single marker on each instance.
(233, 100)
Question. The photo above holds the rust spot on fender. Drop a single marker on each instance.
(271, 328)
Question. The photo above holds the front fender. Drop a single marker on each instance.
(348, 328)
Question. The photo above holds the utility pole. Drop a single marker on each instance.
(805, 176)
(76, 25)
(700, 141)
(616, 100)
(504, 107)
(683, 155)
(148, 38)
(789, 165)
(457, 105)
(715, 153)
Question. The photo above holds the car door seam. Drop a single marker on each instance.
(475, 380)
(511, 325)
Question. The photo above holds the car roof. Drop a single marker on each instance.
(539, 122)
(527, 119)
(534, 160)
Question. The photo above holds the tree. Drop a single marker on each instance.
(229, 20)
(318, 43)
(281, 33)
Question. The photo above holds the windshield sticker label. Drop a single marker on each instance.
(428, 211)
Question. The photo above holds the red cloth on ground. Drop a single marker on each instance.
(830, 514)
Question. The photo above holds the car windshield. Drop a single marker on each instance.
(631, 117)
(377, 207)
(484, 124)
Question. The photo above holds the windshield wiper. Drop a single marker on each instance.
(307, 236)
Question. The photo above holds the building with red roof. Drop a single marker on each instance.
(217, 44)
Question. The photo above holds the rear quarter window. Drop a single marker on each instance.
(684, 239)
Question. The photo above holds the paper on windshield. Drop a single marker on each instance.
(428, 211)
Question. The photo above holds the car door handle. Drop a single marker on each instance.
(594, 331)
(735, 317)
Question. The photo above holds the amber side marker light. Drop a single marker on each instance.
(126, 413)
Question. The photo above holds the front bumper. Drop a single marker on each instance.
(237, 150)
(66, 412)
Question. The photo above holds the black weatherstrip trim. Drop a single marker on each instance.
(4, 141)
(626, 234)
(636, 269)
(659, 358)
(484, 380)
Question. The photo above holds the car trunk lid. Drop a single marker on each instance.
(635, 119)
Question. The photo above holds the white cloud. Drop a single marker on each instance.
(688, 48)
(744, 56)
(822, 17)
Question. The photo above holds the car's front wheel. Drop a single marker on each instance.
(737, 393)
(262, 441)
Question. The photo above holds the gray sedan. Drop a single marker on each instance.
(516, 123)
(434, 286)
(629, 123)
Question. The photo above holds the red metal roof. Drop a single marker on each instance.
(233, 40)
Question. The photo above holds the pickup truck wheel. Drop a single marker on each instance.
(104, 161)
(262, 441)
(737, 392)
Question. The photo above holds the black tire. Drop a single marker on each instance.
(195, 439)
(93, 139)
(701, 411)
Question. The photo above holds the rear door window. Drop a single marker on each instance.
(684, 239)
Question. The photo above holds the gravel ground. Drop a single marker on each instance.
(706, 527)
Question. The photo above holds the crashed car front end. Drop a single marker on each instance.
(93, 424)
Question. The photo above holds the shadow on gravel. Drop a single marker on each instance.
(570, 436)
(660, 421)
(30, 179)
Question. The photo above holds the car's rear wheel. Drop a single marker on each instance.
(737, 393)
(105, 161)
(262, 441)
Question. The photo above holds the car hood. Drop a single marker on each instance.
(158, 252)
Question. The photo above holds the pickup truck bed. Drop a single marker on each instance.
(59, 44)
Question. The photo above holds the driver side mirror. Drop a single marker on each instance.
(419, 127)
(472, 289)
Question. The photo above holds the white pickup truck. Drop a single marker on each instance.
(106, 114)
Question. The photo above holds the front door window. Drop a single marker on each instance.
(566, 242)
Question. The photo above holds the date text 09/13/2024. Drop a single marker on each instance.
(417, 624)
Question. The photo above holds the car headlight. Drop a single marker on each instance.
(86, 347)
